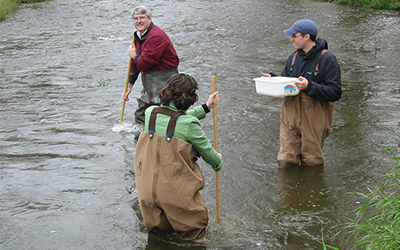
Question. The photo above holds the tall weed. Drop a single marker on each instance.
(7, 7)
(377, 221)
(375, 4)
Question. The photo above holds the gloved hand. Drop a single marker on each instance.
(217, 167)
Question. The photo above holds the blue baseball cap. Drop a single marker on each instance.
(305, 26)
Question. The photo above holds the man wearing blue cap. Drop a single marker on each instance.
(306, 119)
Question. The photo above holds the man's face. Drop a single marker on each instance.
(141, 22)
(298, 40)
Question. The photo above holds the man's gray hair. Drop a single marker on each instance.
(140, 10)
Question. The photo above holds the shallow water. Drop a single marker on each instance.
(66, 170)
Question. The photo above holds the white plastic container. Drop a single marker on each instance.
(278, 86)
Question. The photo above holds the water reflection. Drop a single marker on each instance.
(155, 242)
(306, 205)
(303, 188)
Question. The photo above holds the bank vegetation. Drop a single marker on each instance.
(375, 224)
(374, 4)
(7, 7)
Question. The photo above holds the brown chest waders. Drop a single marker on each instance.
(168, 181)
(305, 124)
(152, 82)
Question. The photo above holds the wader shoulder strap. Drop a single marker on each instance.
(316, 70)
(171, 125)
(292, 64)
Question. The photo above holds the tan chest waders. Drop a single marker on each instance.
(168, 181)
(305, 124)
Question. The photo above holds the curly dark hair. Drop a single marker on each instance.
(180, 88)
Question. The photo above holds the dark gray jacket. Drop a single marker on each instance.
(326, 85)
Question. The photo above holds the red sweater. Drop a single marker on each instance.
(155, 52)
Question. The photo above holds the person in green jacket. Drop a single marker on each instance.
(168, 179)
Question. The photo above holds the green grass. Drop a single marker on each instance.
(103, 82)
(376, 223)
(375, 4)
(324, 245)
(7, 7)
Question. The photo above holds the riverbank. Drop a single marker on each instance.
(7, 7)
(377, 4)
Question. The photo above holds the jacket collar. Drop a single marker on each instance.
(172, 106)
(143, 37)
(320, 44)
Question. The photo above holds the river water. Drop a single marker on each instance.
(66, 163)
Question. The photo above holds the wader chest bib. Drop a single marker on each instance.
(168, 181)
(152, 82)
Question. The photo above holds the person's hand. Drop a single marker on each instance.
(301, 83)
(132, 52)
(265, 74)
(126, 95)
(212, 100)
(218, 167)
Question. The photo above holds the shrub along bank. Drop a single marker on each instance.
(376, 223)
(375, 4)
(9, 6)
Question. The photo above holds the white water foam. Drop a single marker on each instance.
(124, 127)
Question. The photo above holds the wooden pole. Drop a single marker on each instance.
(126, 84)
(214, 89)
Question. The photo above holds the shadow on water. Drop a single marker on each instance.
(154, 243)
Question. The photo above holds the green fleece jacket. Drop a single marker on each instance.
(189, 130)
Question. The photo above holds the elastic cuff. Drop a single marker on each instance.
(133, 77)
(206, 109)
(135, 59)
(217, 168)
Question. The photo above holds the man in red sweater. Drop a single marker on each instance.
(154, 56)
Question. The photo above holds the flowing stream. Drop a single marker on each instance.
(66, 162)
